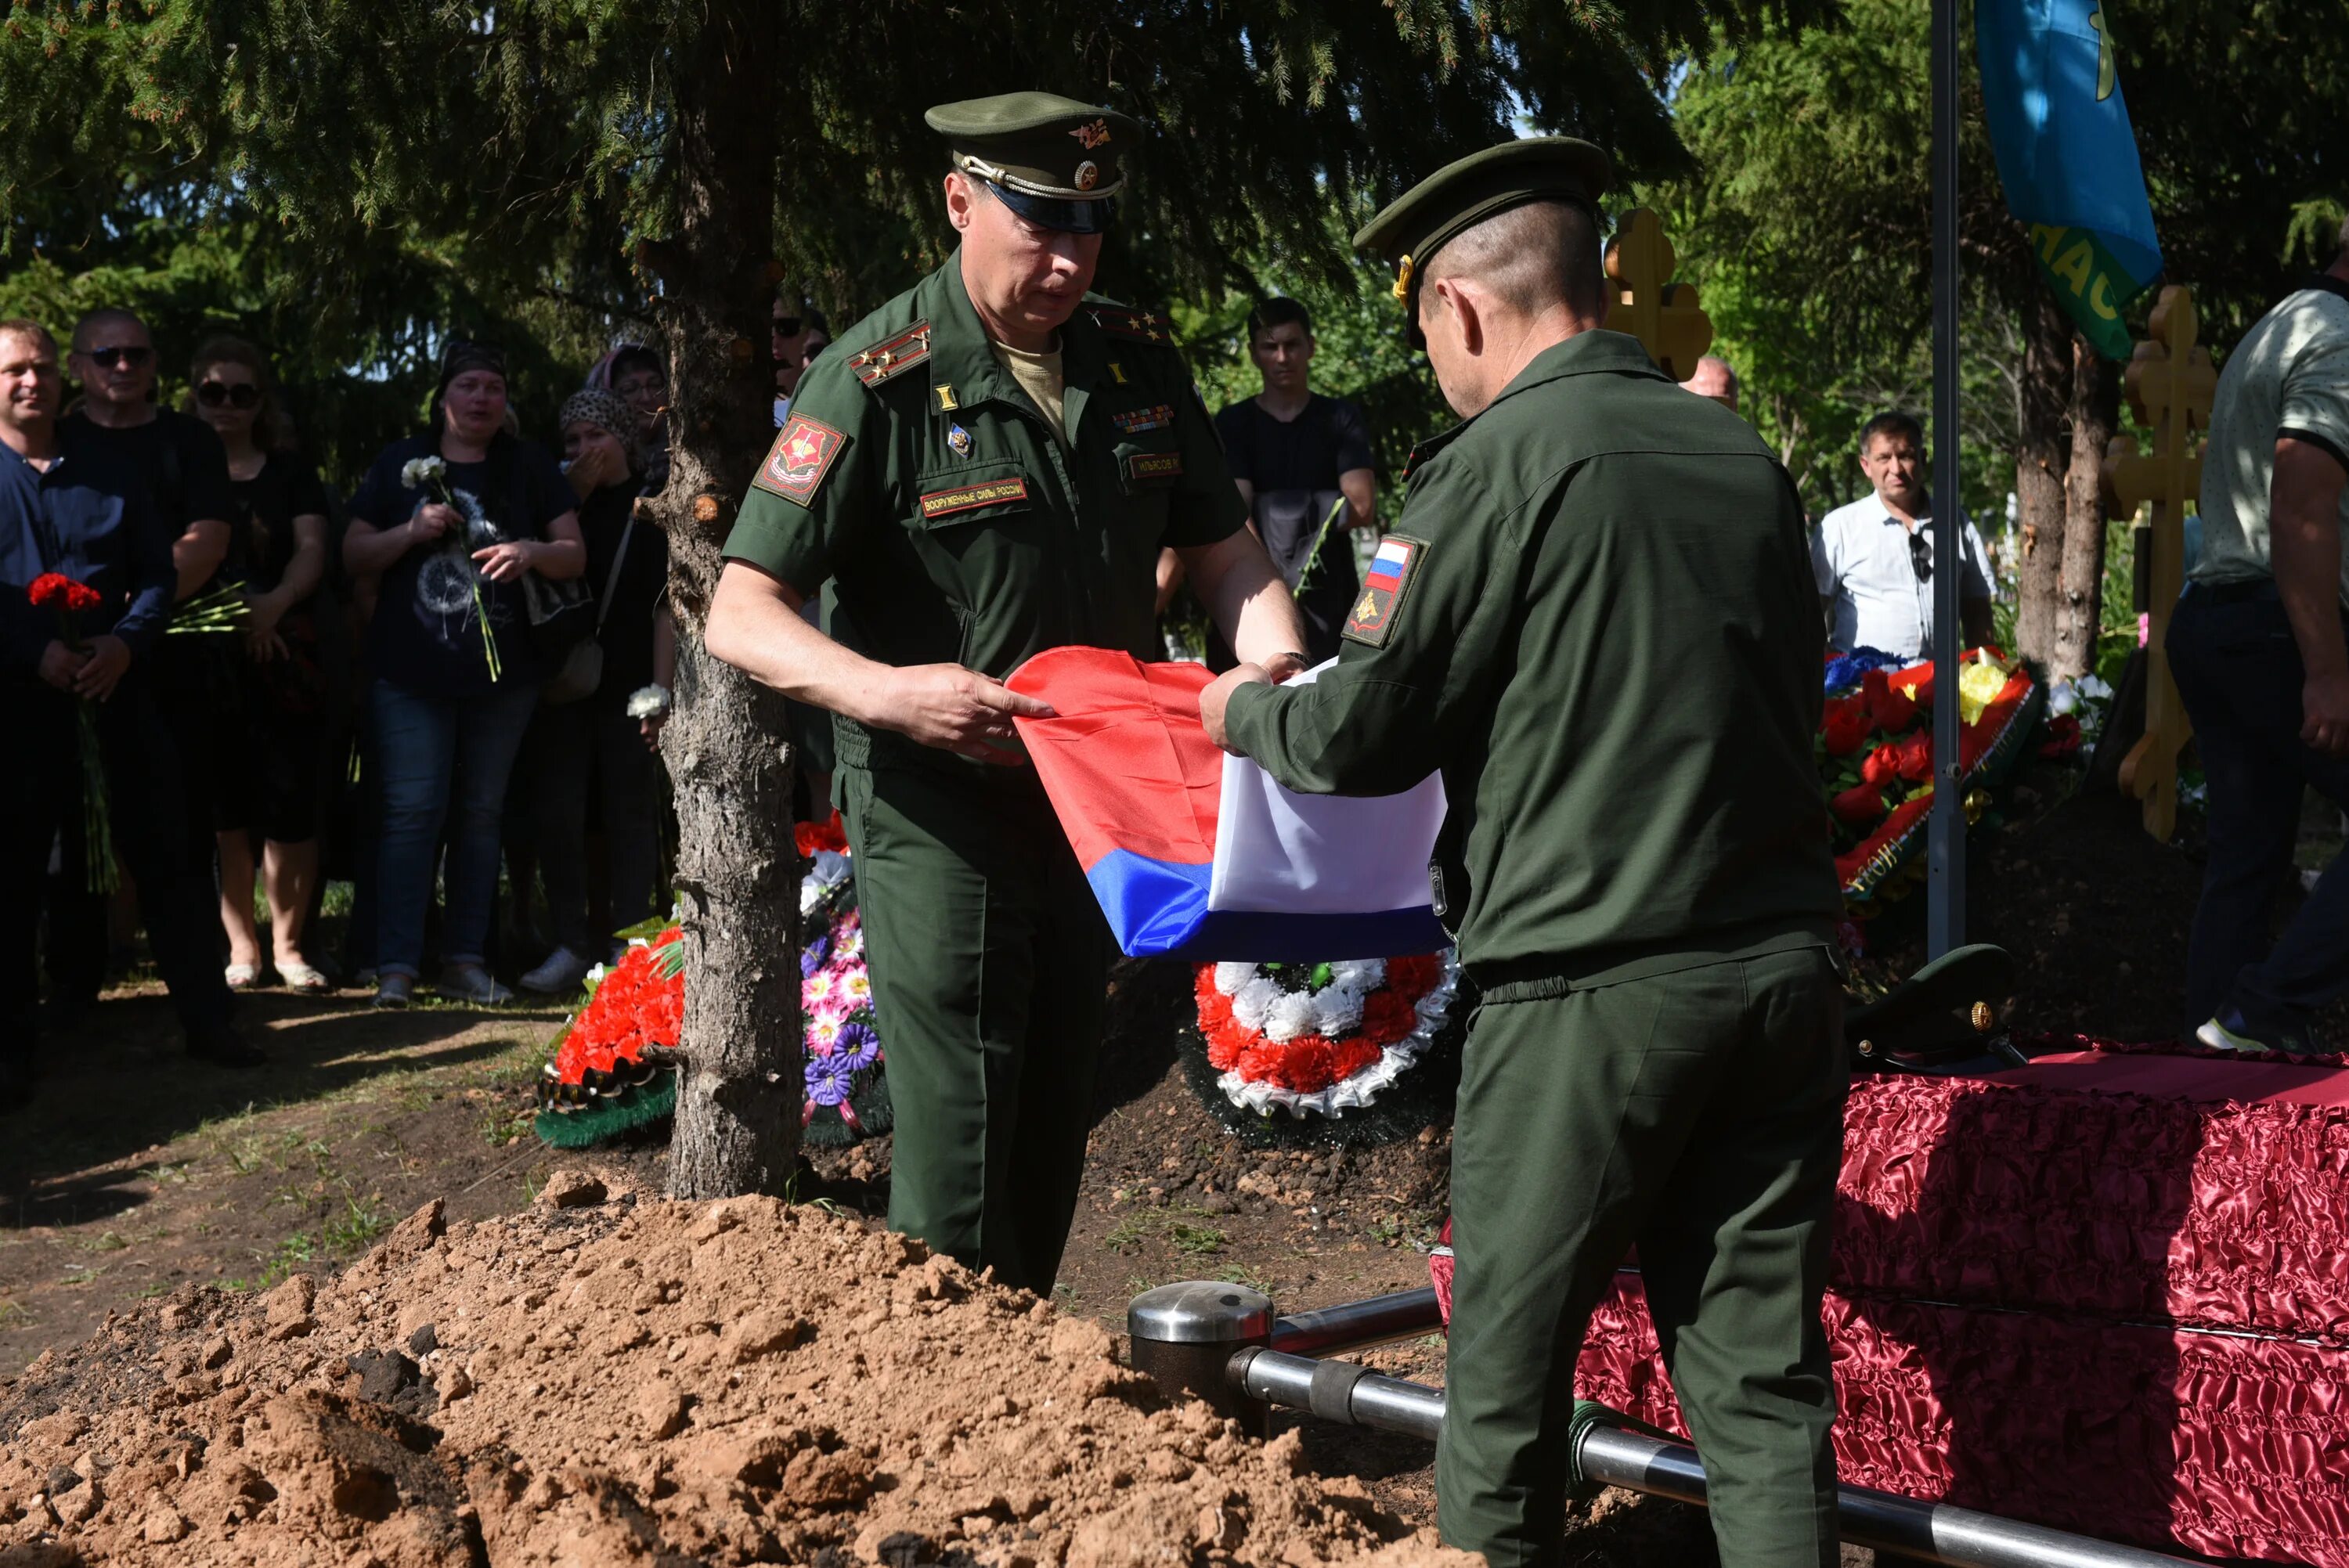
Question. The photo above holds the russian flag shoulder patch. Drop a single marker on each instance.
(1384, 587)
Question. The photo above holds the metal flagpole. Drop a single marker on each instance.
(1946, 841)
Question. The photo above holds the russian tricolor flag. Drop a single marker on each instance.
(1200, 855)
(1387, 565)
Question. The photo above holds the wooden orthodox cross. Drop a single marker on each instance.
(2170, 385)
(1662, 314)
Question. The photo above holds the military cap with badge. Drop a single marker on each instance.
(1057, 162)
(1409, 231)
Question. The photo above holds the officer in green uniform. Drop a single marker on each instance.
(1596, 617)
(983, 469)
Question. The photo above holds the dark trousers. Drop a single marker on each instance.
(575, 745)
(2239, 669)
(989, 960)
(1698, 1112)
(154, 839)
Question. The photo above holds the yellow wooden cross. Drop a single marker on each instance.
(1662, 314)
(2170, 385)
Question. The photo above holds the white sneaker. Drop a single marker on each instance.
(563, 973)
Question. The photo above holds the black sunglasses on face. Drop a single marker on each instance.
(120, 358)
(1920, 557)
(787, 326)
(243, 394)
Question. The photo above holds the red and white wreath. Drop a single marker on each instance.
(1321, 1038)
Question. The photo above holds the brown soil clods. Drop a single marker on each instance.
(602, 1382)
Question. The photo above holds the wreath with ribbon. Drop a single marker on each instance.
(1321, 1040)
(615, 1063)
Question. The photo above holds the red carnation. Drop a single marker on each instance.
(1388, 1017)
(1223, 1048)
(1416, 976)
(56, 591)
(1893, 710)
(1353, 1054)
(1859, 806)
(825, 835)
(1882, 766)
(1915, 757)
(1845, 725)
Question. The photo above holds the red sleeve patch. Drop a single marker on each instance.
(803, 454)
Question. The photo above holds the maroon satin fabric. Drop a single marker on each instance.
(2057, 1296)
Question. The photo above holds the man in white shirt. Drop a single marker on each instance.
(1874, 559)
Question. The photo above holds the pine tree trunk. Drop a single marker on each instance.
(739, 1091)
(2095, 410)
(2041, 459)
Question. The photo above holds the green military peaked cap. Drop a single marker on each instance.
(1411, 229)
(1053, 161)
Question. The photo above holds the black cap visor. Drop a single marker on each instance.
(1091, 216)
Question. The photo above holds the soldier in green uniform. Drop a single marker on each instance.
(983, 469)
(1596, 616)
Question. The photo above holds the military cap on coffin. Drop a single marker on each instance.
(1053, 161)
(1411, 229)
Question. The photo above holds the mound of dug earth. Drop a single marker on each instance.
(643, 1382)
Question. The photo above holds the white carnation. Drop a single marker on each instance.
(1230, 977)
(1363, 974)
(1287, 1018)
(2095, 688)
(2062, 696)
(417, 472)
(1252, 1001)
(1337, 1010)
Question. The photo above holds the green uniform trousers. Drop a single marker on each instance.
(1697, 1112)
(989, 960)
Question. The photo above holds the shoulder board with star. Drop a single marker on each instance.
(1138, 325)
(892, 355)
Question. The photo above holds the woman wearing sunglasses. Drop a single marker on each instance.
(266, 775)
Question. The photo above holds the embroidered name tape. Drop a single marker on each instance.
(1384, 587)
(1155, 466)
(804, 452)
(963, 497)
(1133, 421)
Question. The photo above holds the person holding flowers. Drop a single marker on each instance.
(593, 741)
(86, 586)
(266, 771)
(453, 521)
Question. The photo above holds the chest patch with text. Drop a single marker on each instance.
(1384, 587)
(1155, 466)
(967, 498)
(1133, 421)
(804, 452)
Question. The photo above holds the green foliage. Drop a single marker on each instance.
(350, 180)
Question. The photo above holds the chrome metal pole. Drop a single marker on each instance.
(1945, 843)
(1937, 1533)
(1358, 1325)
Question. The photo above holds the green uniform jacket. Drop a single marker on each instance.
(914, 474)
(1607, 635)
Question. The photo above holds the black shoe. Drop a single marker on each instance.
(222, 1046)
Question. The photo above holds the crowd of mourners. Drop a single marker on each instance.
(233, 675)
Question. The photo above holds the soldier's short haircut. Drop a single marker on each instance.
(26, 328)
(105, 316)
(1279, 311)
(1892, 422)
(1533, 256)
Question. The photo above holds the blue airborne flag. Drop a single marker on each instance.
(2068, 156)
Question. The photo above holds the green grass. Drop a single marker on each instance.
(1174, 1226)
(1240, 1273)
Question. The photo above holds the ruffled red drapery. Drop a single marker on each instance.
(2117, 1312)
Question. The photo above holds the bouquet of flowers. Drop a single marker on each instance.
(65, 598)
(430, 475)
